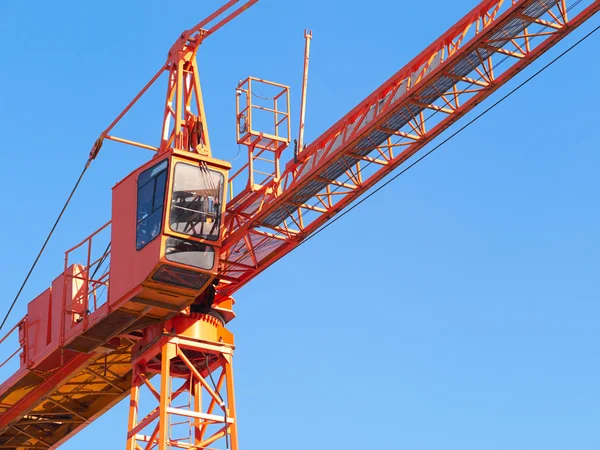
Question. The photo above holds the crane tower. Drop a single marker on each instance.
(143, 303)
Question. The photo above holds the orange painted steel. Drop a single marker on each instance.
(189, 353)
(46, 405)
(181, 128)
(307, 37)
(266, 146)
(76, 364)
(469, 62)
(94, 337)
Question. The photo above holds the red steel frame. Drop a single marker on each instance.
(190, 412)
(87, 299)
(307, 38)
(252, 243)
(264, 149)
(183, 128)
(20, 329)
(268, 219)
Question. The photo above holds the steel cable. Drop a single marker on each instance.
(514, 90)
(62, 211)
(453, 135)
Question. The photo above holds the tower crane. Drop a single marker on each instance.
(144, 301)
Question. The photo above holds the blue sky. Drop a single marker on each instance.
(464, 317)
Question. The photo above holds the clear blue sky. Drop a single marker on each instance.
(468, 318)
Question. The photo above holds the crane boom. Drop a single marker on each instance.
(89, 368)
(475, 57)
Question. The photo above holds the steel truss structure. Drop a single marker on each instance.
(82, 389)
(186, 361)
(88, 358)
(478, 55)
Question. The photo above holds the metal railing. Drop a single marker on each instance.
(263, 125)
(92, 289)
(19, 331)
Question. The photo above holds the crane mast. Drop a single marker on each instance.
(149, 312)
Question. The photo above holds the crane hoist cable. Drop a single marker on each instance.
(355, 205)
(446, 140)
(37, 258)
(452, 136)
(436, 112)
(260, 246)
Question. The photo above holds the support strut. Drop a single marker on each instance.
(191, 400)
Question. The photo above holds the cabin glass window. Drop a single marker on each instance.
(152, 184)
(180, 277)
(196, 201)
(190, 253)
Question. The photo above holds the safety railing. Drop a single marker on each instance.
(263, 125)
(267, 115)
(89, 281)
(13, 343)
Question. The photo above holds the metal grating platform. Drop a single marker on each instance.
(465, 66)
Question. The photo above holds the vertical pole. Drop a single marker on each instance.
(63, 300)
(86, 286)
(251, 166)
(249, 104)
(232, 428)
(307, 37)
(200, 107)
(165, 396)
(275, 115)
(182, 355)
(133, 407)
(197, 390)
(179, 108)
(238, 97)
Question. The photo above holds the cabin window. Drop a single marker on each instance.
(196, 201)
(152, 185)
(190, 253)
(180, 277)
